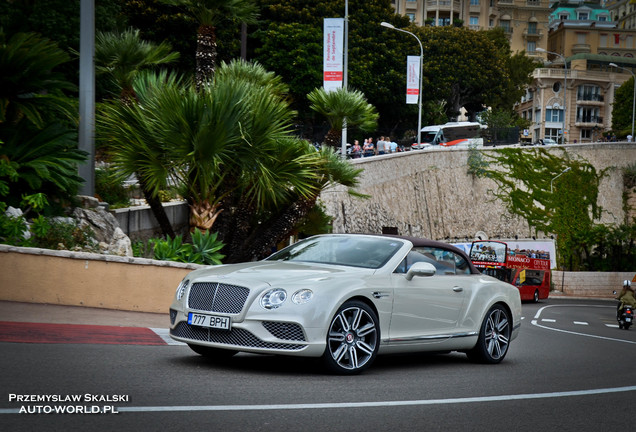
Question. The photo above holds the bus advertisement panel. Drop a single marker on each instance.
(527, 269)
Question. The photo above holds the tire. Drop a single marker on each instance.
(494, 337)
(353, 339)
(626, 326)
(212, 353)
(536, 296)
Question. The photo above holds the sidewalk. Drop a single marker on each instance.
(57, 314)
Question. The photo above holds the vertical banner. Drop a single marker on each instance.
(333, 49)
(412, 79)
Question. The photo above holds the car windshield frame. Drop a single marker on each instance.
(351, 251)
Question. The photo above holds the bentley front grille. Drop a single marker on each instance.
(217, 297)
(236, 336)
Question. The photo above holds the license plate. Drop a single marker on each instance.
(212, 321)
(628, 320)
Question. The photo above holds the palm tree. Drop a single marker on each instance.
(38, 138)
(343, 105)
(122, 57)
(231, 150)
(29, 83)
(209, 14)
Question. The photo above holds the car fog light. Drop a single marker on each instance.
(302, 296)
(273, 298)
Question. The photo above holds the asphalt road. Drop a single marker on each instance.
(571, 369)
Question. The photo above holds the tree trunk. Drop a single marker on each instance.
(205, 55)
(260, 243)
(157, 210)
(333, 138)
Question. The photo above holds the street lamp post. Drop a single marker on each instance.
(565, 86)
(634, 98)
(343, 144)
(419, 120)
(558, 175)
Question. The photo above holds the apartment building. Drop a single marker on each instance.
(579, 96)
(622, 12)
(525, 21)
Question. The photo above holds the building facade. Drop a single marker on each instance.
(526, 22)
(623, 12)
(581, 99)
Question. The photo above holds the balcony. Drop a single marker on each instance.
(589, 121)
(443, 5)
(590, 99)
(532, 34)
(581, 49)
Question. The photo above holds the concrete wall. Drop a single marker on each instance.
(139, 223)
(430, 194)
(589, 284)
(85, 279)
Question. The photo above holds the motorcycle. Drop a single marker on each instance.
(625, 316)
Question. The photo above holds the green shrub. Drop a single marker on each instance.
(204, 249)
(110, 188)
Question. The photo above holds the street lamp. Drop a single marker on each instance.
(565, 86)
(634, 99)
(419, 121)
(558, 175)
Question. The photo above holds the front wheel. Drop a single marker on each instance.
(536, 296)
(353, 339)
(494, 337)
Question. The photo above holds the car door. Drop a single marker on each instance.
(426, 309)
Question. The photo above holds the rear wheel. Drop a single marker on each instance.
(212, 353)
(353, 339)
(494, 337)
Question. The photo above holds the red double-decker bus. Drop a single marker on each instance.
(528, 270)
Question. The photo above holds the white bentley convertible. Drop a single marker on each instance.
(346, 298)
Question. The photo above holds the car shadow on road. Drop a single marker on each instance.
(302, 366)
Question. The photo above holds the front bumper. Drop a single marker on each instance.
(256, 336)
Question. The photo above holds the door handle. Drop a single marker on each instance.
(458, 289)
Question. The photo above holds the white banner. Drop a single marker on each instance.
(412, 79)
(333, 53)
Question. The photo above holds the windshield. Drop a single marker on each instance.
(354, 251)
(428, 137)
(488, 251)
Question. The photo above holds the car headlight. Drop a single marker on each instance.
(181, 289)
(302, 296)
(273, 298)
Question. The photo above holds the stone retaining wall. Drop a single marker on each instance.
(34, 275)
(429, 193)
(589, 284)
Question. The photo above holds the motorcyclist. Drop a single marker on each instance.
(626, 297)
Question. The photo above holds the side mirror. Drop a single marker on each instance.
(420, 269)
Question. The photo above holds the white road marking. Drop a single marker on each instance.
(165, 335)
(583, 323)
(548, 320)
(538, 314)
(378, 404)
